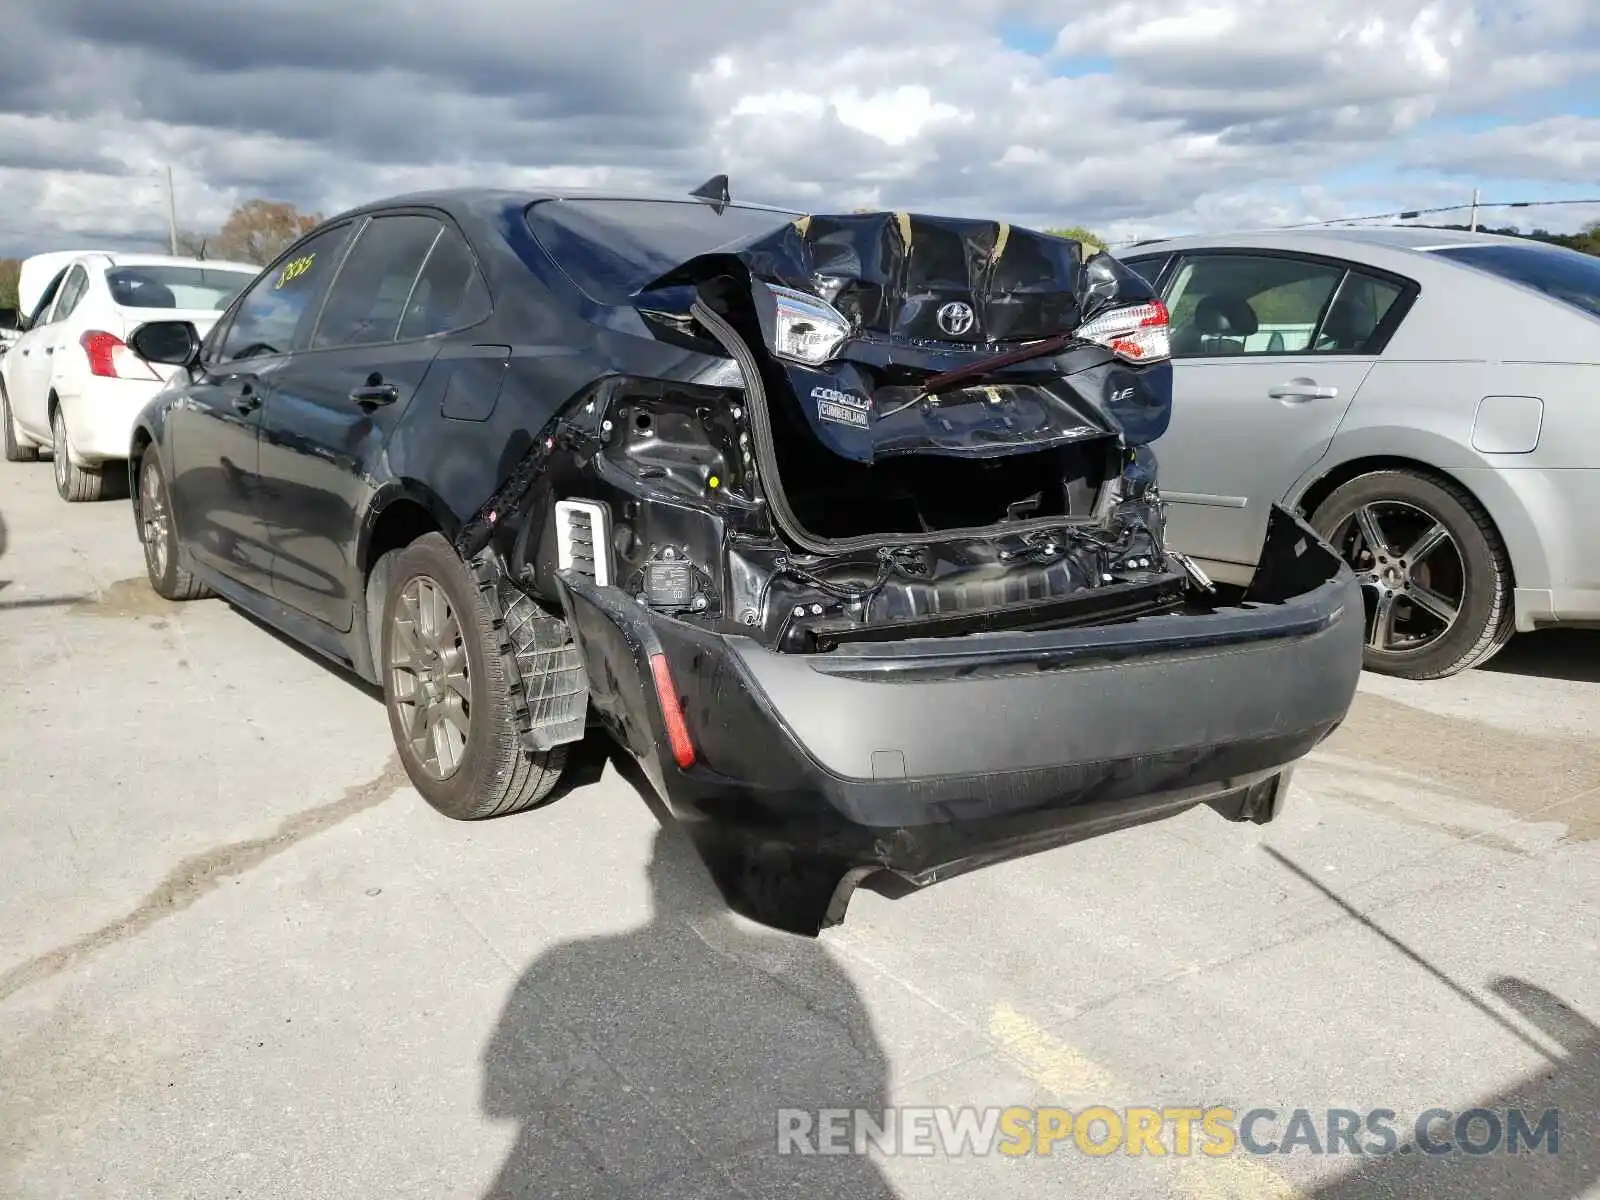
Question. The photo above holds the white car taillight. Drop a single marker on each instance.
(1139, 333)
(110, 358)
(808, 329)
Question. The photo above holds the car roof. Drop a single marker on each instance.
(456, 200)
(117, 259)
(1393, 237)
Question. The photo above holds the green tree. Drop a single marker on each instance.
(1079, 234)
(10, 271)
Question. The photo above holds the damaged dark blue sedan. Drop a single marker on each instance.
(846, 528)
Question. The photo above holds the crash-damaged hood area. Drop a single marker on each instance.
(859, 312)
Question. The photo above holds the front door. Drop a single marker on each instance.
(29, 364)
(337, 402)
(1269, 350)
(214, 437)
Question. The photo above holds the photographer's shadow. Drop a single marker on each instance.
(654, 1062)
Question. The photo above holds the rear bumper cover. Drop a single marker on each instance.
(928, 757)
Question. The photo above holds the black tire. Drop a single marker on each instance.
(1479, 571)
(15, 450)
(75, 484)
(158, 533)
(494, 773)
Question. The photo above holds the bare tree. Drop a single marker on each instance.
(259, 230)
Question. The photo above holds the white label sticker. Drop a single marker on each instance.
(842, 414)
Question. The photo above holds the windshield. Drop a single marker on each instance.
(210, 288)
(1568, 275)
(612, 248)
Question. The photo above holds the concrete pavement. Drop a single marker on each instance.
(240, 957)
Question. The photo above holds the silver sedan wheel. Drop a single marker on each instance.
(155, 520)
(1411, 571)
(58, 452)
(429, 681)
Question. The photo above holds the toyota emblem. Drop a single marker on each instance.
(955, 318)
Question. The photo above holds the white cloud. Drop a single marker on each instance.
(1142, 117)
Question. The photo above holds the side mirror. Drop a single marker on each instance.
(170, 343)
(11, 320)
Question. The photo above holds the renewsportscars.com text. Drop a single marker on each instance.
(1215, 1131)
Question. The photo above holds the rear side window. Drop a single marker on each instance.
(373, 287)
(274, 316)
(612, 248)
(71, 292)
(1567, 275)
(450, 293)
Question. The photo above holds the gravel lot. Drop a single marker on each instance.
(240, 957)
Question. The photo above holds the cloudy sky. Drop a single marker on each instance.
(1138, 118)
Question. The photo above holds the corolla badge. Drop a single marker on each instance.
(955, 318)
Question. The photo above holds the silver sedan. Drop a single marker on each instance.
(1429, 399)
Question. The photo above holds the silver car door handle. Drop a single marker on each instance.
(1302, 389)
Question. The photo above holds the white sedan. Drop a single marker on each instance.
(69, 384)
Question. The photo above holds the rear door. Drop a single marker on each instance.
(212, 435)
(408, 279)
(1269, 349)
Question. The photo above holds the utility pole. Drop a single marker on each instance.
(172, 214)
(1474, 210)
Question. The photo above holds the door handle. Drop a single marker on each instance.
(1302, 388)
(371, 395)
(246, 402)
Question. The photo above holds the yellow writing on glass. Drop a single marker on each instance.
(294, 268)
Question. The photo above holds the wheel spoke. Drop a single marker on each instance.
(1382, 631)
(1367, 523)
(429, 681)
(1436, 536)
(1432, 602)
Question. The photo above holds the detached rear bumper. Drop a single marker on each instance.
(928, 757)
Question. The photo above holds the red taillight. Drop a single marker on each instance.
(1138, 333)
(672, 712)
(98, 346)
(110, 357)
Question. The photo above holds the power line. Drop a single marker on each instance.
(1412, 213)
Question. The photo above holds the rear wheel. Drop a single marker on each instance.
(74, 483)
(450, 687)
(16, 450)
(1434, 573)
(160, 535)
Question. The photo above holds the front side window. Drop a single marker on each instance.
(1233, 304)
(40, 313)
(208, 289)
(371, 293)
(275, 314)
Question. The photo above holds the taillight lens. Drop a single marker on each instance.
(1139, 333)
(110, 357)
(807, 328)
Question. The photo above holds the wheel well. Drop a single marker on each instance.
(399, 524)
(141, 442)
(1345, 472)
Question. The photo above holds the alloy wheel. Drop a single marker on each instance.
(1411, 571)
(59, 452)
(155, 521)
(429, 679)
